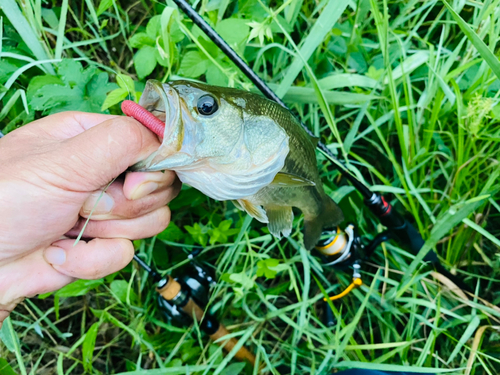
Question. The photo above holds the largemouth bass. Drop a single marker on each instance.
(235, 145)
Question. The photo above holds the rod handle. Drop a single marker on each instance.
(243, 354)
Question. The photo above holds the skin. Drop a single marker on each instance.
(52, 172)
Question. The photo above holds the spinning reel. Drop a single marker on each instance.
(184, 299)
(196, 282)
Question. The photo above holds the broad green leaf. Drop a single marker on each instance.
(79, 288)
(193, 64)
(222, 232)
(265, 268)
(5, 368)
(120, 289)
(260, 30)
(215, 76)
(126, 83)
(145, 61)
(173, 233)
(161, 57)
(7, 338)
(38, 82)
(138, 40)
(234, 31)
(76, 89)
(243, 279)
(481, 47)
(6, 69)
(153, 27)
(283, 22)
(114, 97)
(50, 17)
(198, 232)
(89, 345)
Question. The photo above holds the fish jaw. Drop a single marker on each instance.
(229, 156)
(163, 101)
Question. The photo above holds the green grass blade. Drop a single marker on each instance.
(22, 26)
(11, 340)
(384, 367)
(443, 226)
(471, 328)
(481, 230)
(481, 47)
(323, 25)
(60, 30)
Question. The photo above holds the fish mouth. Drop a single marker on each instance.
(164, 103)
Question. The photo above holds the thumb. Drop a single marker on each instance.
(96, 156)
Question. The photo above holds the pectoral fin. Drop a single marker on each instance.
(291, 180)
(280, 220)
(253, 210)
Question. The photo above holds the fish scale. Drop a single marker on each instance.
(250, 150)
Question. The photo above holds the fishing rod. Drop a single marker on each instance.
(398, 228)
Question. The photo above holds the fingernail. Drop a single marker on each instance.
(143, 189)
(55, 255)
(103, 204)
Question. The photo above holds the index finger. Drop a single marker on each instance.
(66, 125)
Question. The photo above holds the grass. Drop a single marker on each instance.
(405, 91)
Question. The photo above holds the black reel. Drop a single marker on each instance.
(196, 280)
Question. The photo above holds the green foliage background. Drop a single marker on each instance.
(404, 91)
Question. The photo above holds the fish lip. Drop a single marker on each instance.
(171, 103)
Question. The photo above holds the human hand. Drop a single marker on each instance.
(52, 173)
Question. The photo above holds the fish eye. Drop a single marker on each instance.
(207, 105)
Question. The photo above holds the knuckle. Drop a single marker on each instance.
(140, 207)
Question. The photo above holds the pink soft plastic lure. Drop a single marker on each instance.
(146, 118)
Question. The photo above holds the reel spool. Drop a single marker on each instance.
(339, 249)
